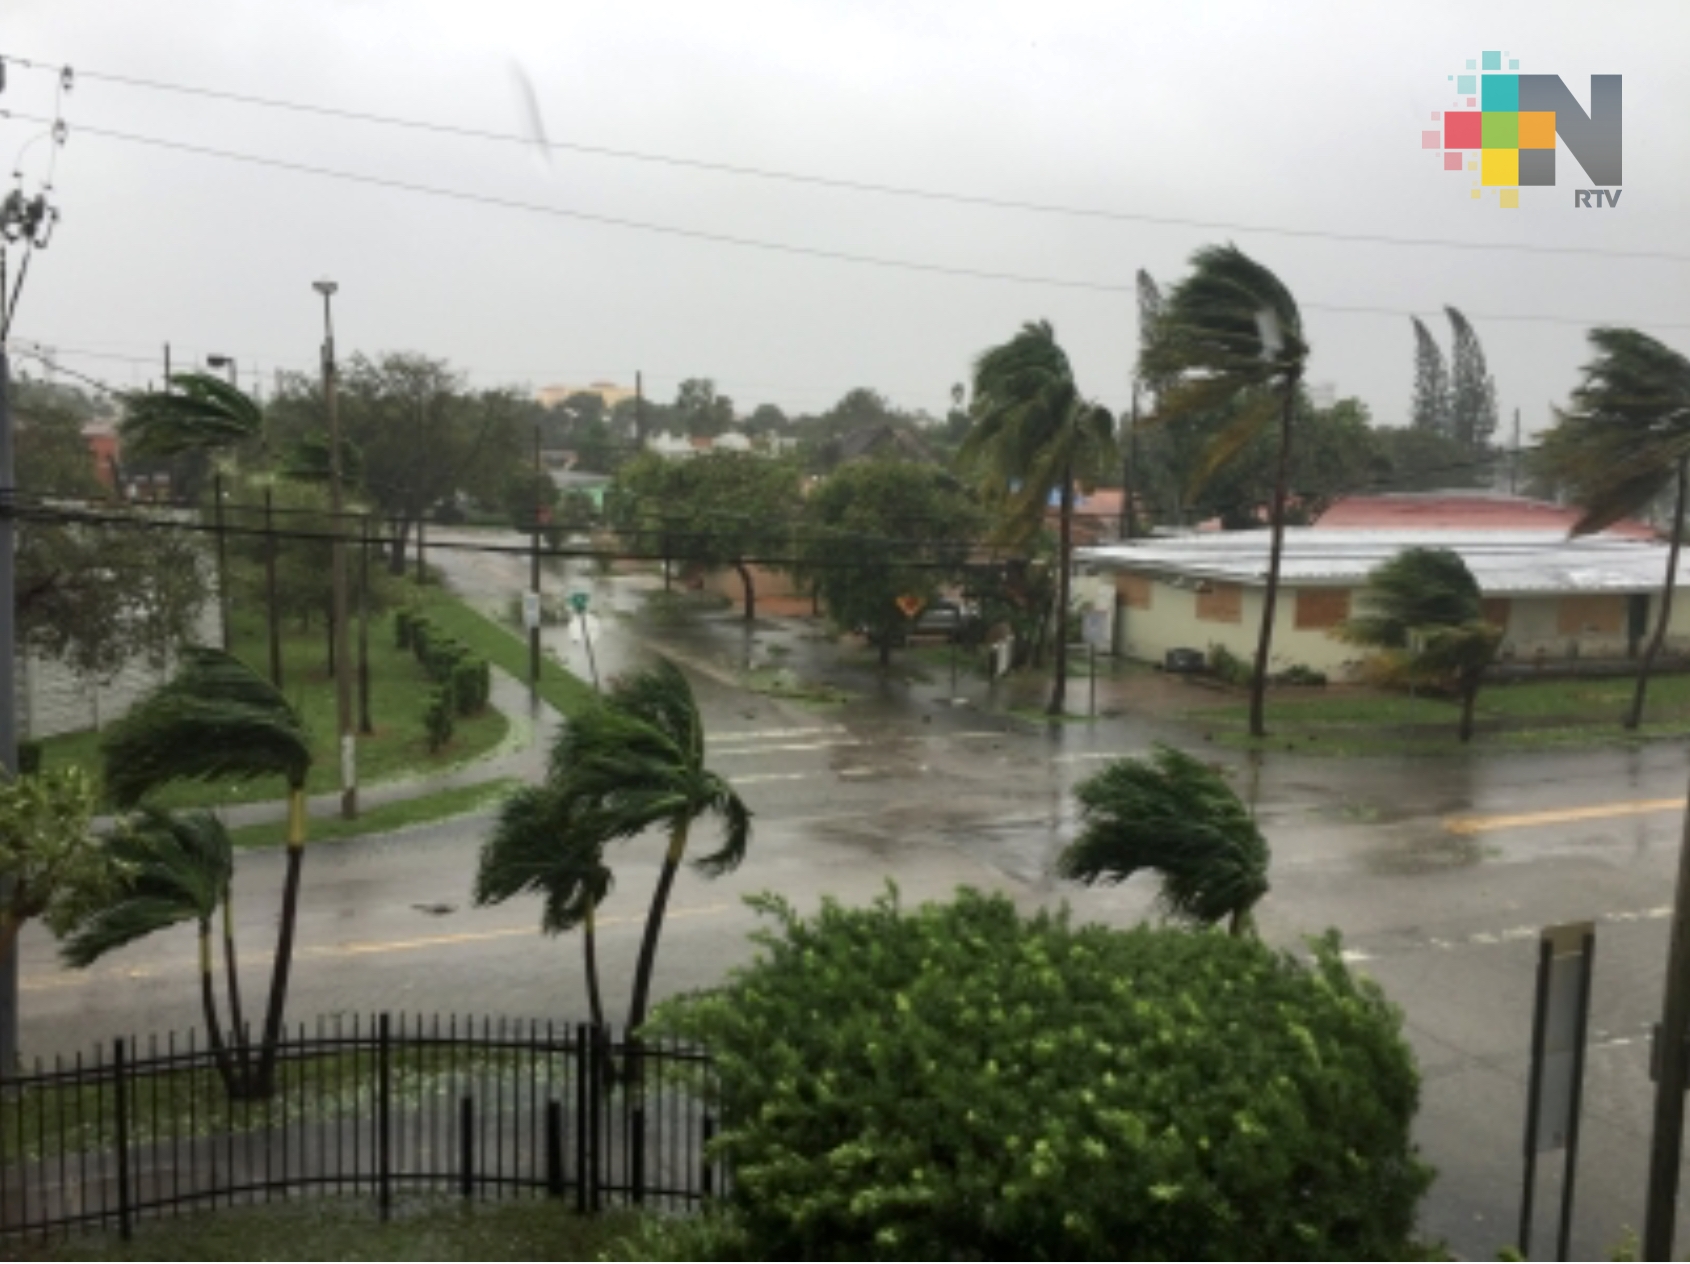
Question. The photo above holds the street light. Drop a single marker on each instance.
(226, 362)
(342, 658)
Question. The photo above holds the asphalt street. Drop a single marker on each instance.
(1438, 872)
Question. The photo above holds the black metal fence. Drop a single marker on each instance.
(389, 1105)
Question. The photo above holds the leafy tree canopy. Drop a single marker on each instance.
(960, 1082)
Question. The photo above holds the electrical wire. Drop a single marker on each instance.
(847, 185)
(780, 248)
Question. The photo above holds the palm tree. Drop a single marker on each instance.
(1422, 607)
(217, 718)
(1231, 333)
(1625, 438)
(179, 868)
(203, 414)
(631, 761)
(1177, 816)
(1034, 435)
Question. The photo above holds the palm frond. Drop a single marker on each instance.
(215, 718)
(204, 412)
(537, 846)
(1176, 816)
(178, 867)
(1252, 419)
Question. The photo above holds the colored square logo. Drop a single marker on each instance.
(1501, 93)
(1493, 61)
(1509, 198)
(1537, 167)
(1513, 63)
(1537, 129)
(1455, 162)
(1501, 131)
(1463, 130)
(1430, 140)
(1467, 85)
(1500, 167)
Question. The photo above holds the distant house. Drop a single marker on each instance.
(882, 441)
(105, 450)
(609, 392)
(1476, 511)
(1554, 597)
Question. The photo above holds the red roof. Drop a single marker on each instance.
(1463, 511)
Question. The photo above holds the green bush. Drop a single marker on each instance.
(1300, 674)
(29, 757)
(402, 620)
(422, 632)
(437, 720)
(961, 1083)
(1227, 666)
(469, 681)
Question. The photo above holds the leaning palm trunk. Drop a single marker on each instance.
(1634, 716)
(237, 1020)
(263, 1083)
(589, 950)
(1064, 550)
(1469, 699)
(213, 1026)
(654, 925)
(1270, 598)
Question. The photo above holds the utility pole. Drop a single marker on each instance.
(365, 725)
(270, 598)
(639, 410)
(1129, 470)
(222, 362)
(534, 575)
(342, 659)
(1514, 459)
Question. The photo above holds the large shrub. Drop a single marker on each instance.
(961, 1083)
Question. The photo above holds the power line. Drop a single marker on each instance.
(853, 186)
(780, 248)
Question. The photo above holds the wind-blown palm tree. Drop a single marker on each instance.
(630, 762)
(1035, 435)
(1423, 608)
(1625, 438)
(1230, 332)
(179, 868)
(1177, 816)
(217, 718)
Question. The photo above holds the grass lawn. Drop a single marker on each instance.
(424, 810)
(1513, 715)
(399, 690)
(348, 1228)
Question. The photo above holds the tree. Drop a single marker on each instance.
(1422, 608)
(700, 410)
(1035, 436)
(962, 1082)
(56, 867)
(215, 719)
(1431, 409)
(717, 509)
(1418, 460)
(874, 532)
(96, 596)
(202, 414)
(424, 435)
(1472, 392)
(1231, 327)
(1623, 441)
(1177, 816)
(178, 868)
(632, 762)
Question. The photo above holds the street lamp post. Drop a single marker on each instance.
(222, 362)
(342, 658)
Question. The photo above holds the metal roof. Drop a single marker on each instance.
(1504, 562)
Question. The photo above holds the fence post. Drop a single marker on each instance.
(119, 1064)
(554, 1148)
(384, 1116)
(583, 1072)
(600, 1053)
(466, 1146)
(709, 1135)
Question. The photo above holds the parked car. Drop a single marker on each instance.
(941, 620)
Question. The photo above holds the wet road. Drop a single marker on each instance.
(1439, 873)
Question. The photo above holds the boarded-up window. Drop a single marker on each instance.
(1320, 608)
(1134, 590)
(1596, 613)
(1495, 611)
(1221, 603)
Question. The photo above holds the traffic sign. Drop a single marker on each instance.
(910, 605)
(578, 602)
(531, 610)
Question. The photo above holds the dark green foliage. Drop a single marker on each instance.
(1178, 816)
(1418, 588)
(202, 412)
(537, 849)
(215, 718)
(962, 1084)
(1227, 666)
(1300, 674)
(29, 757)
(469, 681)
(438, 723)
(402, 624)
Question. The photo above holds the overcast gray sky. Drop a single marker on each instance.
(1298, 115)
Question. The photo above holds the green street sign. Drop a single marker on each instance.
(578, 602)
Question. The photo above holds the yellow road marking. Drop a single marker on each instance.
(1559, 816)
(35, 983)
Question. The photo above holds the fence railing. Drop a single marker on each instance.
(383, 1105)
